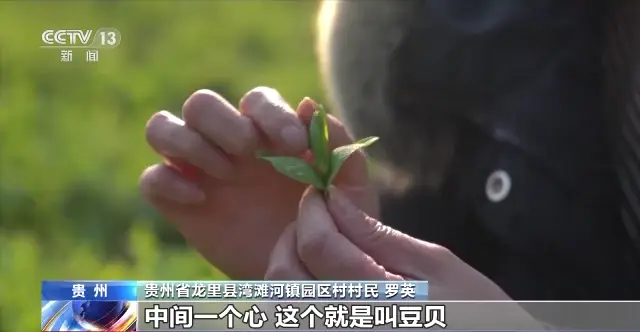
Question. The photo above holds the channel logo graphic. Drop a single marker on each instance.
(77, 38)
(89, 315)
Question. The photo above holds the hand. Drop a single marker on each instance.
(229, 205)
(333, 239)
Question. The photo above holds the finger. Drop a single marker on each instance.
(169, 137)
(160, 181)
(220, 123)
(326, 253)
(353, 177)
(392, 249)
(276, 119)
(284, 263)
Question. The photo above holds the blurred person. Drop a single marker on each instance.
(517, 143)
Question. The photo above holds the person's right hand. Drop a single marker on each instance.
(229, 205)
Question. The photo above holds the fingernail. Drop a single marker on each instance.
(307, 100)
(306, 108)
(315, 207)
(310, 205)
(188, 194)
(294, 136)
(339, 202)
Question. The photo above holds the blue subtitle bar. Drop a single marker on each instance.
(68, 290)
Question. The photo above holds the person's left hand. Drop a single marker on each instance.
(332, 239)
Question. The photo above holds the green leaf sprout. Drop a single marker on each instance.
(326, 164)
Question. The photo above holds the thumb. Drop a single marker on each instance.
(325, 252)
(396, 251)
(353, 177)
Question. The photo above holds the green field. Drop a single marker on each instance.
(72, 134)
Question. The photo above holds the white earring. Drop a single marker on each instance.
(498, 186)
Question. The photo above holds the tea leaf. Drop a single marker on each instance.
(340, 155)
(296, 169)
(319, 140)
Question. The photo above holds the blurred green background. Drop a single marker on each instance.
(72, 140)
